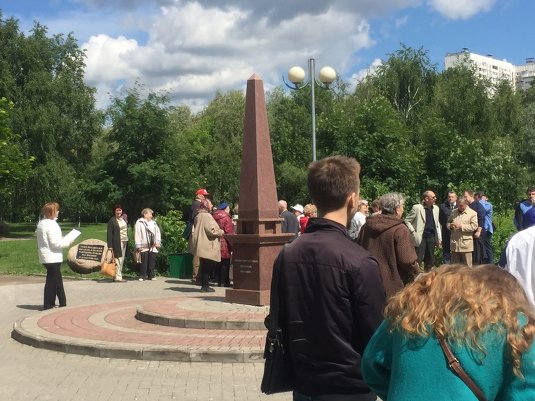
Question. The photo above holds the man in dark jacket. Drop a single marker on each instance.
(444, 213)
(330, 291)
(290, 223)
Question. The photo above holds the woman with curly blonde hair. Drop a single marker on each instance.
(484, 316)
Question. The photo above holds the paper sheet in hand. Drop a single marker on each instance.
(73, 235)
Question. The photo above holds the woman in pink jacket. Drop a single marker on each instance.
(224, 221)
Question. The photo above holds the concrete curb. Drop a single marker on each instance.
(192, 323)
(102, 349)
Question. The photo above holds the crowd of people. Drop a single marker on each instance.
(368, 314)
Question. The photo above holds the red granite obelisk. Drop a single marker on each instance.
(259, 237)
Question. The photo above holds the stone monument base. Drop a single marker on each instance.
(247, 297)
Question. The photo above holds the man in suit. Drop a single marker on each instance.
(424, 226)
(445, 210)
(462, 223)
(290, 224)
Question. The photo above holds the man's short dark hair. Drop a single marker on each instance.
(332, 180)
(530, 190)
(469, 191)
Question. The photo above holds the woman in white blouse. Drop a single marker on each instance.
(148, 239)
(50, 243)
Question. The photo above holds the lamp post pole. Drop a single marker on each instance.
(312, 75)
(296, 75)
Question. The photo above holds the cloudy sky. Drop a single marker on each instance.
(191, 49)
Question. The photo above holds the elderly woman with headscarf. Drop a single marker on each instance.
(205, 243)
(387, 238)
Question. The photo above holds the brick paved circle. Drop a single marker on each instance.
(177, 328)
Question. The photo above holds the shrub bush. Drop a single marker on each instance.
(172, 226)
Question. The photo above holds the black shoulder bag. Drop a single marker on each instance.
(278, 376)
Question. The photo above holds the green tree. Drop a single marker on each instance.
(406, 79)
(139, 166)
(376, 135)
(54, 114)
(524, 140)
(14, 166)
(222, 121)
(462, 100)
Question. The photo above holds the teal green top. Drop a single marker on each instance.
(402, 369)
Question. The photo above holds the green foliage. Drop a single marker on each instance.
(172, 226)
(504, 230)
(139, 164)
(410, 127)
(54, 112)
(14, 166)
(406, 79)
(462, 100)
(222, 121)
(379, 139)
(524, 141)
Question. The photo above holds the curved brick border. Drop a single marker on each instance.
(179, 313)
(112, 331)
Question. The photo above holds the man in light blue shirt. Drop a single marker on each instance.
(489, 226)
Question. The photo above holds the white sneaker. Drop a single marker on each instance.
(139, 279)
(153, 279)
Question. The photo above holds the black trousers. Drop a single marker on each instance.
(206, 268)
(53, 286)
(148, 262)
(224, 269)
(488, 248)
(479, 255)
(426, 252)
(446, 246)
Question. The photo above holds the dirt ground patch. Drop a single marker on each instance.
(9, 279)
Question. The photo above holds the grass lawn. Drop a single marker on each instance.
(18, 249)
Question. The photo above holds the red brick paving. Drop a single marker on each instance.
(120, 326)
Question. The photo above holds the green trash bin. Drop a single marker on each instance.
(181, 265)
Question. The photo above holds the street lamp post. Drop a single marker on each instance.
(296, 75)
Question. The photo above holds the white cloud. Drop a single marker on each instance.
(362, 74)
(461, 9)
(107, 58)
(192, 50)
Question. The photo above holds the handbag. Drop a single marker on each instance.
(137, 257)
(188, 230)
(278, 373)
(456, 367)
(108, 268)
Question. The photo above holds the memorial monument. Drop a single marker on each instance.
(259, 237)
(87, 256)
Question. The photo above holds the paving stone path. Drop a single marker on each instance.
(38, 374)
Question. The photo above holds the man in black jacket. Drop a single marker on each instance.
(443, 215)
(331, 294)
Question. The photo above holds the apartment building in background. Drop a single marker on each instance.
(488, 67)
(525, 74)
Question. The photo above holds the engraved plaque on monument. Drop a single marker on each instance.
(87, 256)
